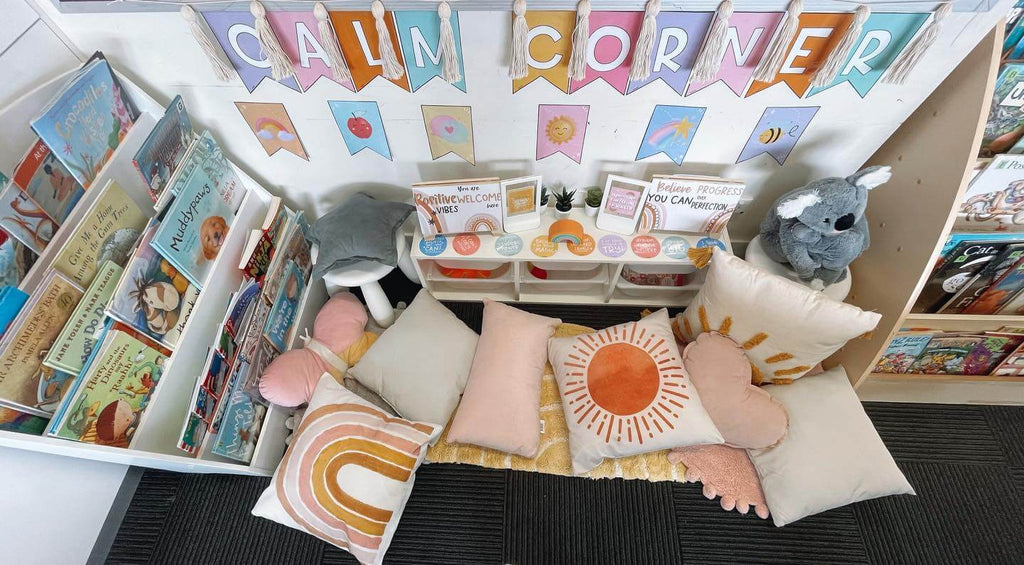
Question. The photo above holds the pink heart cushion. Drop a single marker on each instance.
(746, 415)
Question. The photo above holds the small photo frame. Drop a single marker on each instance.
(520, 203)
(622, 204)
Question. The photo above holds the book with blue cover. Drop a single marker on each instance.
(12, 299)
(87, 120)
(1005, 124)
(282, 313)
(47, 181)
(165, 147)
(903, 350)
(204, 153)
(240, 426)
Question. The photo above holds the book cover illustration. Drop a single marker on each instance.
(237, 375)
(87, 121)
(16, 259)
(12, 299)
(986, 355)
(240, 306)
(999, 293)
(45, 179)
(903, 350)
(76, 341)
(164, 148)
(23, 218)
(115, 392)
(995, 198)
(206, 161)
(1012, 365)
(108, 232)
(472, 205)
(54, 385)
(13, 420)
(690, 204)
(153, 296)
(293, 248)
(945, 355)
(995, 269)
(282, 314)
(960, 266)
(240, 427)
(31, 336)
(1005, 123)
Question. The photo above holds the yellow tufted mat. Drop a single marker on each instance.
(553, 456)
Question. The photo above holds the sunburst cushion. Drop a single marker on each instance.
(784, 327)
(348, 472)
(625, 392)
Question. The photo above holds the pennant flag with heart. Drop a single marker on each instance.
(272, 126)
(670, 131)
(236, 33)
(817, 35)
(361, 126)
(419, 33)
(747, 39)
(777, 132)
(561, 129)
(548, 46)
(450, 130)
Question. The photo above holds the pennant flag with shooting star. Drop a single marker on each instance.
(670, 131)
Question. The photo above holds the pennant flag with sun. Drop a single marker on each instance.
(561, 129)
(670, 131)
(272, 126)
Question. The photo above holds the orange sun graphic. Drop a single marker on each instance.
(560, 129)
(624, 382)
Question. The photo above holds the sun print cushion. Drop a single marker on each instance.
(624, 392)
(784, 327)
(348, 472)
(501, 406)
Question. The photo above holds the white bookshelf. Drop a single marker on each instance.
(155, 441)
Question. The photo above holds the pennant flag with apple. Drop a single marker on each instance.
(777, 132)
(361, 126)
(747, 39)
(449, 130)
(561, 129)
(236, 33)
(670, 131)
(272, 126)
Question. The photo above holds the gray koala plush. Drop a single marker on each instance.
(820, 229)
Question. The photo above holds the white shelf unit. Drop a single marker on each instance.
(603, 285)
(155, 441)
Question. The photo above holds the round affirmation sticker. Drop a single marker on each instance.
(508, 245)
(584, 247)
(709, 242)
(675, 247)
(435, 247)
(612, 246)
(542, 246)
(646, 246)
(466, 244)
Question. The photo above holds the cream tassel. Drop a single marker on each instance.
(713, 50)
(280, 64)
(517, 67)
(446, 45)
(329, 41)
(213, 53)
(389, 61)
(837, 58)
(773, 58)
(640, 67)
(580, 36)
(900, 69)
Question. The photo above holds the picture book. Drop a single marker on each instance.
(1007, 258)
(1012, 365)
(76, 341)
(192, 435)
(238, 374)
(1000, 293)
(240, 307)
(108, 232)
(957, 238)
(902, 352)
(945, 355)
(31, 336)
(14, 420)
(22, 217)
(986, 355)
(114, 393)
(1005, 124)
(294, 247)
(12, 299)
(153, 296)
(87, 120)
(995, 198)
(164, 148)
(45, 179)
(959, 267)
(258, 253)
(54, 385)
(282, 313)
(16, 259)
(205, 160)
(240, 427)
(695, 204)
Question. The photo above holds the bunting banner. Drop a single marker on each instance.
(449, 130)
(361, 126)
(548, 45)
(420, 35)
(670, 131)
(676, 45)
(816, 36)
(358, 39)
(777, 132)
(236, 33)
(561, 129)
(272, 126)
(300, 40)
(883, 38)
(747, 39)
(610, 49)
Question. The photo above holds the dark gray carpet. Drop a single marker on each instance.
(966, 463)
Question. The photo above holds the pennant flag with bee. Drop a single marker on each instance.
(236, 33)
(361, 126)
(777, 132)
(670, 131)
(548, 46)
(816, 37)
(561, 129)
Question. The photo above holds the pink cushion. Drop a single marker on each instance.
(726, 472)
(500, 408)
(340, 322)
(746, 415)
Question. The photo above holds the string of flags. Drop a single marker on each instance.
(747, 51)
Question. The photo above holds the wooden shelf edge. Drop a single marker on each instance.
(998, 318)
(946, 378)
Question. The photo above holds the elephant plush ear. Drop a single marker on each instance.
(795, 204)
(871, 177)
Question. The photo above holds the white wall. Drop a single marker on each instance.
(53, 506)
(158, 53)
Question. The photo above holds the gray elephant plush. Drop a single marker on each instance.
(820, 229)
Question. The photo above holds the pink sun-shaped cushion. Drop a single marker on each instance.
(726, 472)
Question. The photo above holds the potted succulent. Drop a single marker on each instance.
(544, 199)
(594, 195)
(563, 202)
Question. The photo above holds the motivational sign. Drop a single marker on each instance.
(458, 206)
(690, 204)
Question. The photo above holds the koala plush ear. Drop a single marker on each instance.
(871, 177)
(796, 204)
